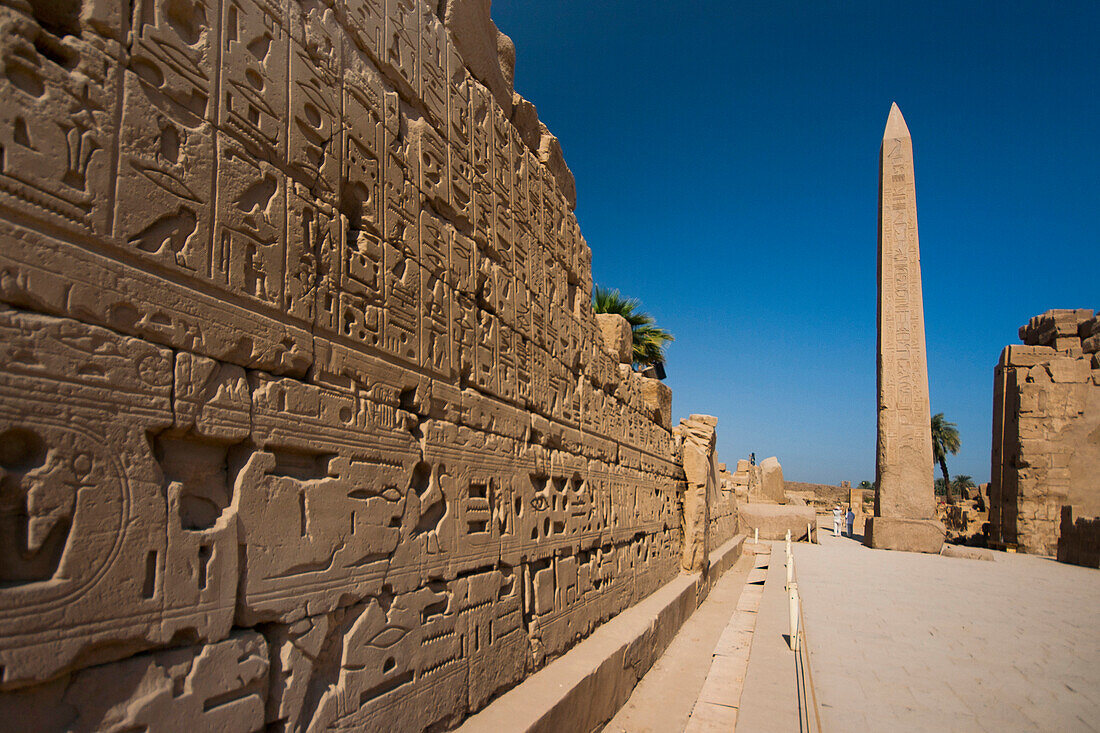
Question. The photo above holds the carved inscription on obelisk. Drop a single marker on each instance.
(904, 459)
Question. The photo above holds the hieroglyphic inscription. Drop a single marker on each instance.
(297, 368)
(904, 445)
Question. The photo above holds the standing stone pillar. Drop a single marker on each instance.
(905, 501)
(701, 470)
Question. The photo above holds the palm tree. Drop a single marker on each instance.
(865, 485)
(961, 483)
(649, 340)
(945, 439)
(940, 487)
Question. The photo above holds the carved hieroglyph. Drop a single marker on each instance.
(903, 468)
(301, 391)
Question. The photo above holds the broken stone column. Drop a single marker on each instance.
(700, 468)
(904, 499)
(855, 503)
(771, 482)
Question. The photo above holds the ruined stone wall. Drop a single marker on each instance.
(825, 494)
(305, 420)
(1046, 430)
(723, 515)
(1079, 541)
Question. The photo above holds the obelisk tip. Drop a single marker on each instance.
(895, 125)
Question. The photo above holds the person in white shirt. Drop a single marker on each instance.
(838, 517)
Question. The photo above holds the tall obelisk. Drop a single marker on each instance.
(904, 497)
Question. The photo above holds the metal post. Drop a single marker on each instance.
(792, 595)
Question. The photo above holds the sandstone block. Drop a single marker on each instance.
(220, 686)
(126, 531)
(700, 469)
(617, 336)
(526, 119)
(551, 156)
(1054, 325)
(907, 535)
(773, 520)
(771, 480)
(1067, 370)
(657, 397)
(487, 53)
(1026, 356)
(310, 355)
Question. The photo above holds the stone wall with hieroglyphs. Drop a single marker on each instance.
(305, 419)
(1046, 431)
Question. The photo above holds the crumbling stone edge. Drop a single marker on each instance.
(584, 688)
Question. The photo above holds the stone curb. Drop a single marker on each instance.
(584, 688)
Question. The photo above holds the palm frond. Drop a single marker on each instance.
(649, 340)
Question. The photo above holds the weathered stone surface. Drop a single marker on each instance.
(488, 54)
(296, 355)
(904, 456)
(1046, 423)
(526, 119)
(551, 156)
(773, 520)
(906, 535)
(118, 530)
(772, 487)
(855, 503)
(700, 470)
(657, 397)
(1056, 328)
(1079, 542)
(220, 686)
(583, 690)
(618, 338)
(746, 480)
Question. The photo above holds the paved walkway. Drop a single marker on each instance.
(770, 700)
(719, 703)
(909, 642)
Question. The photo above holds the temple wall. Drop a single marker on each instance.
(1079, 541)
(305, 417)
(1046, 430)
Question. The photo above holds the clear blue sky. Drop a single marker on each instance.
(726, 157)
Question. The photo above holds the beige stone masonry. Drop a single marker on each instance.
(306, 421)
(772, 487)
(1046, 434)
(617, 336)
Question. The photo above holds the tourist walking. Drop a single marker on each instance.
(837, 518)
(851, 519)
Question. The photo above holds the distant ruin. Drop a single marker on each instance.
(305, 417)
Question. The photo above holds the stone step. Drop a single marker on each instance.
(585, 687)
(719, 700)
